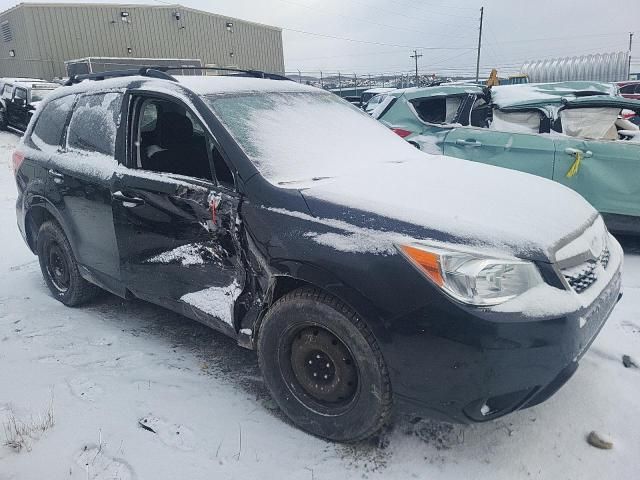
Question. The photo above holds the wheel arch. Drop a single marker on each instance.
(38, 211)
(299, 275)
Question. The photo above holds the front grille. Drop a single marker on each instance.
(583, 276)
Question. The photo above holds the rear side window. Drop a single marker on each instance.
(441, 110)
(383, 107)
(94, 123)
(51, 121)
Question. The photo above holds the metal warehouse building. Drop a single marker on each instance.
(37, 38)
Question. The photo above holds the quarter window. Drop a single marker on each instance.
(94, 123)
(50, 123)
(6, 91)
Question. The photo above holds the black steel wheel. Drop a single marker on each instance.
(319, 368)
(324, 367)
(59, 267)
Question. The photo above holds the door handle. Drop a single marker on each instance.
(57, 176)
(127, 201)
(468, 143)
(577, 151)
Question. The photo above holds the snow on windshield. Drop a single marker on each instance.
(294, 137)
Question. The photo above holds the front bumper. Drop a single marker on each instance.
(471, 368)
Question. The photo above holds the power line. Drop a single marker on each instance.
(358, 19)
(431, 5)
(412, 17)
(324, 35)
(563, 38)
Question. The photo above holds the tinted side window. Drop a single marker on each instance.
(437, 109)
(95, 122)
(6, 91)
(51, 121)
(20, 93)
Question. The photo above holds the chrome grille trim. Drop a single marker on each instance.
(578, 261)
(583, 276)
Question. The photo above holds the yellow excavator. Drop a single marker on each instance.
(493, 79)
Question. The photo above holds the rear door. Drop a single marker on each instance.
(176, 233)
(80, 175)
(512, 141)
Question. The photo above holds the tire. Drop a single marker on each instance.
(59, 267)
(352, 399)
(3, 119)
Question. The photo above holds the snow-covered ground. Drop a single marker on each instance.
(104, 371)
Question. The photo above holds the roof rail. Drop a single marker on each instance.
(239, 71)
(144, 71)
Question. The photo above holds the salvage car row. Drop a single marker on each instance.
(575, 133)
(364, 272)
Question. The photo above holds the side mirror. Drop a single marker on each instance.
(20, 102)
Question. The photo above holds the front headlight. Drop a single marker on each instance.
(471, 277)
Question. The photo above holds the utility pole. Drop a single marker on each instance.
(479, 45)
(416, 56)
(630, 45)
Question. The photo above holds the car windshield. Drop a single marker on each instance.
(297, 137)
(39, 93)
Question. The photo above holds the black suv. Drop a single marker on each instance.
(363, 273)
(19, 97)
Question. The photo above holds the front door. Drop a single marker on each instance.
(175, 224)
(17, 109)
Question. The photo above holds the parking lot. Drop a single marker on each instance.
(123, 389)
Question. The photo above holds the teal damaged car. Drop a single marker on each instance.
(571, 132)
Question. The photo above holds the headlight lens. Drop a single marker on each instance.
(473, 278)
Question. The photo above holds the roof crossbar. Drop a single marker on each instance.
(151, 72)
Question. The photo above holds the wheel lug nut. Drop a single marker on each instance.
(328, 365)
(310, 362)
(315, 374)
(326, 376)
(318, 356)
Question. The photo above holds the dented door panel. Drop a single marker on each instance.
(607, 174)
(518, 151)
(177, 241)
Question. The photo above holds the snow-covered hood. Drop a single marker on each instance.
(459, 200)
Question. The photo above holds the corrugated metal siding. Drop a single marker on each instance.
(50, 34)
(26, 62)
(601, 67)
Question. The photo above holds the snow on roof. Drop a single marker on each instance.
(213, 84)
(445, 89)
(21, 79)
(530, 93)
(379, 90)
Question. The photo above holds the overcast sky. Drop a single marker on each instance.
(379, 35)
